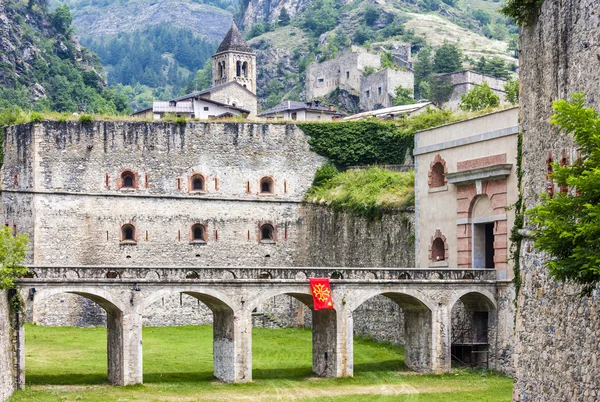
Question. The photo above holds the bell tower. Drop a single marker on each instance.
(234, 61)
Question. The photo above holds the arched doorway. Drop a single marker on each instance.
(472, 324)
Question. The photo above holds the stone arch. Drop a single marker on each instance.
(324, 328)
(225, 343)
(123, 345)
(103, 298)
(418, 324)
(472, 326)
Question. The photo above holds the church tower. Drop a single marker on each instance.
(234, 61)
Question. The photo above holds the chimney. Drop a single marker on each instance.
(331, 109)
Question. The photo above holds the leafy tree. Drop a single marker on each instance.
(362, 35)
(496, 67)
(403, 96)
(322, 16)
(423, 66)
(447, 59)
(371, 15)
(340, 39)
(482, 16)
(451, 3)
(62, 19)
(440, 89)
(284, 17)
(12, 254)
(567, 226)
(512, 91)
(479, 98)
(431, 5)
(424, 90)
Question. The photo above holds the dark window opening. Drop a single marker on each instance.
(379, 91)
(128, 180)
(238, 69)
(245, 69)
(198, 232)
(267, 233)
(438, 252)
(266, 185)
(206, 108)
(128, 233)
(489, 245)
(197, 183)
(483, 245)
(347, 74)
(294, 116)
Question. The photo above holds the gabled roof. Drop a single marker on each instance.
(294, 105)
(234, 41)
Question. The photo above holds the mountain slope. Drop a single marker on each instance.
(43, 67)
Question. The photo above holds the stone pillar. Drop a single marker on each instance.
(232, 345)
(440, 340)
(325, 339)
(418, 339)
(124, 347)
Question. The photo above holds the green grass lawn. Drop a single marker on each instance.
(69, 364)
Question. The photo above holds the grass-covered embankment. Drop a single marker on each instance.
(367, 192)
(69, 364)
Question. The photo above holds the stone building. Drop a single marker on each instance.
(301, 111)
(471, 165)
(464, 81)
(201, 195)
(557, 328)
(348, 72)
(233, 91)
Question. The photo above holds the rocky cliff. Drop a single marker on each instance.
(557, 331)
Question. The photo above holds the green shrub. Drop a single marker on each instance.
(479, 98)
(368, 192)
(324, 174)
(86, 119)
(12, 254)
(35, 117)
(522, 12)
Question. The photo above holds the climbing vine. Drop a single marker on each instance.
(523, 12)
(515, 236)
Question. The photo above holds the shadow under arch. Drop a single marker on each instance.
(326, 356)
(472, 322)
(418, 328)
(224, 333)
(115, 310)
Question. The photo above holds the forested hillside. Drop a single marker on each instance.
(160, 49)
(42, 67)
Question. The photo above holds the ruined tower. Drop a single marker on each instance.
(234, 61)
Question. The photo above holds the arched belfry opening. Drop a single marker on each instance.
(235, 61)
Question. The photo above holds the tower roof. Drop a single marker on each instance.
(234, 41)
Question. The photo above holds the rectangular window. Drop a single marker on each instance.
(347, 75)
(206, 108)
(368, 93)
(320, 81)
(294, 116)
(379, 91)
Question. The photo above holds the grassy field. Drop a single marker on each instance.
(69, 364)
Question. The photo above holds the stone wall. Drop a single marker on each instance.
(557, 331)
(7, 375)
(378, 89)
(464, 81)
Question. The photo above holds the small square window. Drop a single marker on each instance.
(206, 108)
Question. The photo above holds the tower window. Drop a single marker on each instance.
(267, 186)
(267, 233)
(198, 233)
(128, 233)
(238, 68)
(245, 69)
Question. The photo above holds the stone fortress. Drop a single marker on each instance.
(346, 72)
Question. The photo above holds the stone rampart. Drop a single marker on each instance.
(557, 331)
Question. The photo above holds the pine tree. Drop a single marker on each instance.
(284, 17)
(447, 59)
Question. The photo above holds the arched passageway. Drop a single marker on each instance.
(323, 324)
(120, 341)
(472, 324)
(224, 331)
(416, 327)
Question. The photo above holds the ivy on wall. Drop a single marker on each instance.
(365, 142)
(523, 12)
(515, 237)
